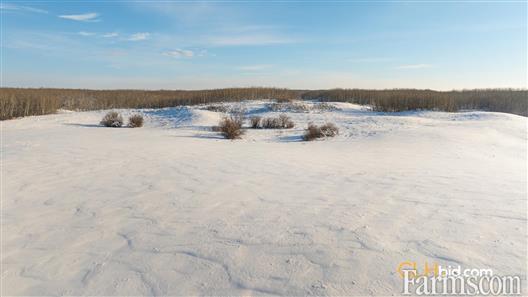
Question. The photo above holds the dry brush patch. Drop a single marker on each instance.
(135, 121)
(231, 127)
(313, 131)
(301, 107)
(324, 106)
(255, 122)
(112, 119)
(281, 122)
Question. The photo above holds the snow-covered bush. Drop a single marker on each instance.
(112, 119)
(135, 121)
(255, 122)
(231, 127)
(286, 121)
(270, 123)
(314, 131)
(237, 110)
(323, 106)
(281, 122)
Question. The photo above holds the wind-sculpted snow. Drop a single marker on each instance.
(174, 209)
(172, 117)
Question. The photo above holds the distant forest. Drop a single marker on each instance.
(20, 102)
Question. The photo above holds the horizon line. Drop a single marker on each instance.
(278, 88)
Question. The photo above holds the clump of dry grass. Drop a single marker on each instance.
(237, 110)
(286, 121)
(112, 119)
(281, 122)
(299, 106)
(255, 122)
(324, 106)
(231, 127)
(313, 131)
(270, 123)
(135, 121)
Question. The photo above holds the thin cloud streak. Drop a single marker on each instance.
(178, 53)
(83, 33)
(86, 17)
(111, 35)
(8, 6)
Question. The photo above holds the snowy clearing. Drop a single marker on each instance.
(174, 209)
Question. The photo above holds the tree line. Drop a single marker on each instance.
(20, 102)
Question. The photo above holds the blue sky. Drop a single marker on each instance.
(309, 45)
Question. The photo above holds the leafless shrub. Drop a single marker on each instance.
(329, 130)
(275, 106)
(286, 121)
(231, 127)
(281, 122)
(216, 129)
(271, 123)
(297, 106)
(255, 122)
(237, 110)
(314, 131)
(112, 119)
(324, 106)
(135, 121)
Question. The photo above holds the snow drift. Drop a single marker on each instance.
(173, 209)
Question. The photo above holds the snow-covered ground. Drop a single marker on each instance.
(174, 209)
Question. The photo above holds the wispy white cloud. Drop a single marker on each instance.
(415, 66)
(84, 33)
(110, 35)
(86, 17)
(139, 36)
(258, 67)
(178, 53)
(9, 6)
